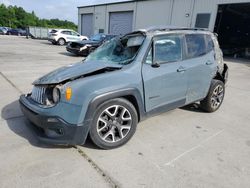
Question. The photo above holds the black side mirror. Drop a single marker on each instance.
(155, 65)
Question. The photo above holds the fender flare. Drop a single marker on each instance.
(123, 93)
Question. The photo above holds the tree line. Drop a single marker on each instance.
(17, 17)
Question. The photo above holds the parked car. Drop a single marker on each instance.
(124, 81)
(18, 32)
(3, 30)
(83, 48)
(62, 36)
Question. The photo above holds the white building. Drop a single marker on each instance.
(230, 18)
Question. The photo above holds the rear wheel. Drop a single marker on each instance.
(114, 123)
(215, 96)
(61, 41)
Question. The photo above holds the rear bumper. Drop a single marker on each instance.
(53, 130)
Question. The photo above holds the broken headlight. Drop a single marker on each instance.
(56, 95)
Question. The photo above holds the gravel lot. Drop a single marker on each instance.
(181, 148)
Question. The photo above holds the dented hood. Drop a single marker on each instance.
(75, 71)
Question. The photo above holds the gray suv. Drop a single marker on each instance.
(124, 81)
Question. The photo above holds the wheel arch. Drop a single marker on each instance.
(223, 75)
(132, 95)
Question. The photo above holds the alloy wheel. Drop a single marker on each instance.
(217, 96)
(114, 123)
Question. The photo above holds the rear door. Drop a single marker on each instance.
(200, 66)
(165, 85)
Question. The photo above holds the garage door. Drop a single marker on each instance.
(233, 28)
(120, 22)
(87, 25)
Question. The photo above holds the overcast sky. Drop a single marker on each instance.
(61, 9)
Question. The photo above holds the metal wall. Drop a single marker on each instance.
(39, 32)
(157, 12)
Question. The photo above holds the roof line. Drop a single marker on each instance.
(111, 3)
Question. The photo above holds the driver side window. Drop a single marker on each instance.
(74, 33)
(167, 49)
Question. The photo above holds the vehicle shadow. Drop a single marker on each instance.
(17, 123)
(46, 42)
(69, 54)
(194, 107)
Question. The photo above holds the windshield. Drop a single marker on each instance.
(118, 50)
(96, 37)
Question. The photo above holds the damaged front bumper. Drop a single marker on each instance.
(52, 129)
(78, 51)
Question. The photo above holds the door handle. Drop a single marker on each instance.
(181, 69)
(209, 63)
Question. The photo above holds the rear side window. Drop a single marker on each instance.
(168, 49)
(196, 45)
(53, 31)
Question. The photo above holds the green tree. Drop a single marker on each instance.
(17, 17)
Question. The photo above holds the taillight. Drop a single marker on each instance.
(53, 34)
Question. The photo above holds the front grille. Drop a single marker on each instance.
(38, 94)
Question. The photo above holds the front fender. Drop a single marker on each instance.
(96, 101)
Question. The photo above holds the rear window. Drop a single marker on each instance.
(196, 45)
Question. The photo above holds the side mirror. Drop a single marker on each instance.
(155, 65)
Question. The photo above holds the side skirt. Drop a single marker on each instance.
(165, 108)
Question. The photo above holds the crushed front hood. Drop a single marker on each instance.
(74, 71)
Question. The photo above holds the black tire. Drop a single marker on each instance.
(61, 41)
(215, 96)
(115, 139)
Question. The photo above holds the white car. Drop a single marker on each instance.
(62, 36)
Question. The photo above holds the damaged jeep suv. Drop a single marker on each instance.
(124, 81)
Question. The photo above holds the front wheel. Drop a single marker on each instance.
(114, 123)
(215, 96)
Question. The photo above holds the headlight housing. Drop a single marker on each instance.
(56, 94)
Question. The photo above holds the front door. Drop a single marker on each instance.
(75, 36)
(164, 77)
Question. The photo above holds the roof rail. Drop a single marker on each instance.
(170, 28)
